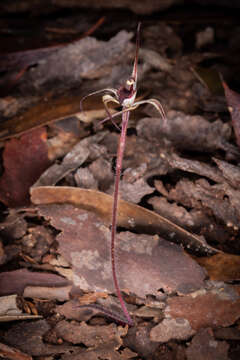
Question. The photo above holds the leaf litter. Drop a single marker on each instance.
(188, 172)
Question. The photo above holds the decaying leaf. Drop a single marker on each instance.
(71, 311)
(218, 306)
(24, 161)
(88, 58)
(233, 100)
(230, 172)
(12, 353)
(204, 347)
(90, 336)
(176, 213)
(85, 243)
(75, 158)
(29, 339)
(134, 192)
(130, 216)
(222, 267)
(222, 199)
(196, 167)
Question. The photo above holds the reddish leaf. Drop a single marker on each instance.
(24, 161)
(233, 100)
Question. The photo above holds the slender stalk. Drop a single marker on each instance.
(124, 96)
(120, 152)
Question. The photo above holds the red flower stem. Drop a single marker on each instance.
(120, 152)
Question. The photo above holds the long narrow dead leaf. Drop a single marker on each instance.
(130, 216)
(41, 114)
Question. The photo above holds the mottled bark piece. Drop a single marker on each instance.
(90, 336)
(168, 329)
(145, 263)
(186, 131)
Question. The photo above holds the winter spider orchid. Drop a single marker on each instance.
(125, 97)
